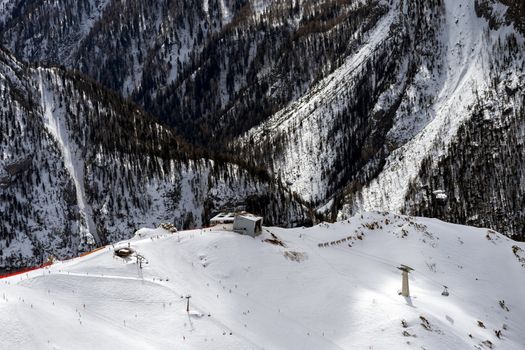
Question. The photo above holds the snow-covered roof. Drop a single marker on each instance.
(230, 217)
(223, 217)
(250, 217)
(440, 194)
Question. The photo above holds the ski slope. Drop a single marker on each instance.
(249, 293)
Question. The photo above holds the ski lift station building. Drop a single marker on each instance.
(242, 223)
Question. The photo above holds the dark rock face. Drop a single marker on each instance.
(13, 169)
(515, 13)
(17, 167)
(4, 181)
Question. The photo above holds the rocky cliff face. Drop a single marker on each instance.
(503, 12)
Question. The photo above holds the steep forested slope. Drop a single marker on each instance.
(483, 171)
(395, 106)
(213, 68)
(352, 104)
(478, 64)
(80, 167)
(480, 180)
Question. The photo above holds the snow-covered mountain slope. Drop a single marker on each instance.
(280, 290)
(98, 35)
(480, 178)
(212, 68)
(470, 49)
(356, 105)
(81, 167)
(308, 137)
(395, 105)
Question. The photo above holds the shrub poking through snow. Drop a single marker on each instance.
(488, 344)
(168, 227)
(407, 334)
(295, 256)
(274, 240)
(520, 254)
(425, 324)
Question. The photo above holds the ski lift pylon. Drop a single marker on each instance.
(445, 292)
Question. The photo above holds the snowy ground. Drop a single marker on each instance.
(251, 294)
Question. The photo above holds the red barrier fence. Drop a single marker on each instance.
(27, 269)
(91, 251)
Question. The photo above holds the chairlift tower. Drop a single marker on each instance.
(405, 290)
(140, 260)
(188, 303)
(445, 292)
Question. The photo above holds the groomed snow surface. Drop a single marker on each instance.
(250, 293)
